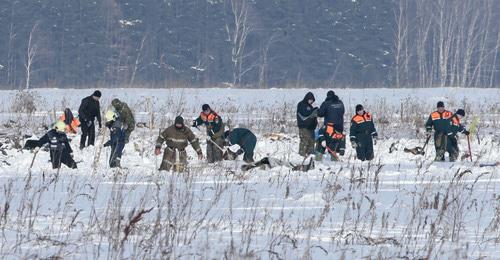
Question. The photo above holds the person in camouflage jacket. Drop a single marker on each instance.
(126, 116)
(215, 132)
(177, 137)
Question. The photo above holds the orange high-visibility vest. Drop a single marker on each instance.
(445, 115)
(361, 119)
(330, 131)
(72, 127)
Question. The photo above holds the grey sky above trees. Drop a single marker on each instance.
(250, 43)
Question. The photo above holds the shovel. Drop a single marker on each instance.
(418, 150)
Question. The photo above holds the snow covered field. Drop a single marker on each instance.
(397, 206)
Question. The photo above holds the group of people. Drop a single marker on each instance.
(362, 133)
(329, 138)
(119, 120)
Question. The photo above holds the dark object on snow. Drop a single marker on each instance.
(489, 164)
(418, 150)
(272, 162)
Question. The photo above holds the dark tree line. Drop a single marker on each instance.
(254, 43)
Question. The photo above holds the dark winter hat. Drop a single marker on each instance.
(461, 112)
(97, 93)
(179, 120)
(440, 104)
(330, 93)
(359, 107)
(205, 107)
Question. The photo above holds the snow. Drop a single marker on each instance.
(397, 206)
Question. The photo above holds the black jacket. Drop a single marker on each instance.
(333, 111)
(307, 114)
(89, 110)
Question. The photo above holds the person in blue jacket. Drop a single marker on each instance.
(117, 138)
(245, 139)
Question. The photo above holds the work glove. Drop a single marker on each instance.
(200, 156)
(323, 143)
(157, 151)
(240, 151)
(194, 123)
(71, 155)
(354, 145)
(374, 140)
(466, 132)
(428, 133)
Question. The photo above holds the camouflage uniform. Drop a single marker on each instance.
(126, 116)
(176, 140)
(215, 131)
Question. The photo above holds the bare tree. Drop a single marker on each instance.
(31, 53)
(238, 27)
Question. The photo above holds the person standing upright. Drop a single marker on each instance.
(332, 109)
(439, 120)
(215, 132)
(89, 110)
(307, 121)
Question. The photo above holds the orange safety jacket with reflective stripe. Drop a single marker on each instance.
(73, 126)
(330, 131)
(439, 121)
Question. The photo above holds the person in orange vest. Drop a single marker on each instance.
(72, 123)
(439, 120)
(215, 132)
(455, 128)
(363, 134)
(331, 140)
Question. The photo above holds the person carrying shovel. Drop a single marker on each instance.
(439, 120)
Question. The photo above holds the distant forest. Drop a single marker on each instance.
(249, 43)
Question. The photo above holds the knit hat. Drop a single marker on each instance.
(330, 93)
(460, 112)
(179, 120)
(205, 107)
(97, 93)
(440, 104)
(359, 107)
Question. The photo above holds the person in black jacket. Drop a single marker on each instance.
(88, 111)
(245, 139)
(60, 150)
(332, 109)
(307, 121)
(363, 134)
